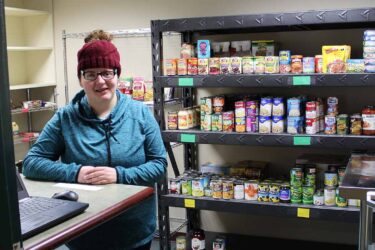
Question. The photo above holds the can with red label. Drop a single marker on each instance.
(228, 121)
(318, 64)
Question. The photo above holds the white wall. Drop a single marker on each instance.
(86, 15)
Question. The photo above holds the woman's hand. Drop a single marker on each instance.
(100, 175)
(83, 172)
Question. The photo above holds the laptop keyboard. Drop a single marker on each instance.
(36, 205)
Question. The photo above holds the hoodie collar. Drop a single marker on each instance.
(84, 111)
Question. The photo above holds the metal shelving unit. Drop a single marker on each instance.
(273, 22)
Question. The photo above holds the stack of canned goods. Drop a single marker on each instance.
(332, 179)
(303, 183)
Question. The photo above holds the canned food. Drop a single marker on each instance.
(296, 64)
(296, 176)
(180, 243)
(263, 191)
(251, 108)
(197, 186)
(206, 122)
(183, 119)
(318, 198)
(218, 104)
(332, 106)
(356, 124)
(285, 193)
(239, 190)
(228, 189)
(251, 190)
(217, 122)
(340, 201)
(240, 124)
(342, 124)
(330, 179)
(228, 121)
(192, 64)
(239, 109)
(307, 194)
(186, 186)
(174, 186)
(274, 193)
(207, 192)
(172, 120)
(330, 124)
(217, 189)
(296, 194)
(251, 124)
(308, 65)
(318, 64)
(329, 196)
(218, 243)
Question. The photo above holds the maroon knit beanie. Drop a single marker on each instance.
(98, 54)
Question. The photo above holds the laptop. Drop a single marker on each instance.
(37, 214)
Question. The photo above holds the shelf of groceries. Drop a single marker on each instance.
(310, 190)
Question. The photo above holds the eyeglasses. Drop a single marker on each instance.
(92, 75)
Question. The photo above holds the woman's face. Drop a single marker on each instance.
(99, 84)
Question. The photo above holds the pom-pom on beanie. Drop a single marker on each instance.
(98, 54)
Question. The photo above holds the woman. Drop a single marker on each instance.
(103, 137)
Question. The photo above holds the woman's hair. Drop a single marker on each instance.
(98, 35)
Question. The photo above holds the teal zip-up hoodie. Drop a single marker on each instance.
(128, 140)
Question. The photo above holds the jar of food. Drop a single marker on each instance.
(198, 240)
(180, 243)
(285, 193)
(368, 120)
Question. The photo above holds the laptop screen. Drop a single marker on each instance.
(22, 192)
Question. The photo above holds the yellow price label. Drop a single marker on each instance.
(303, 212)
(190, 203)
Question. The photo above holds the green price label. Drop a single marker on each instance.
(301, 80)
(185, 82)
(188, 138)
(302, 140)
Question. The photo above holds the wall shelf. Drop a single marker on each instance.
(27, 48)
(31, 86)
(23, 111)
(11, 11)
